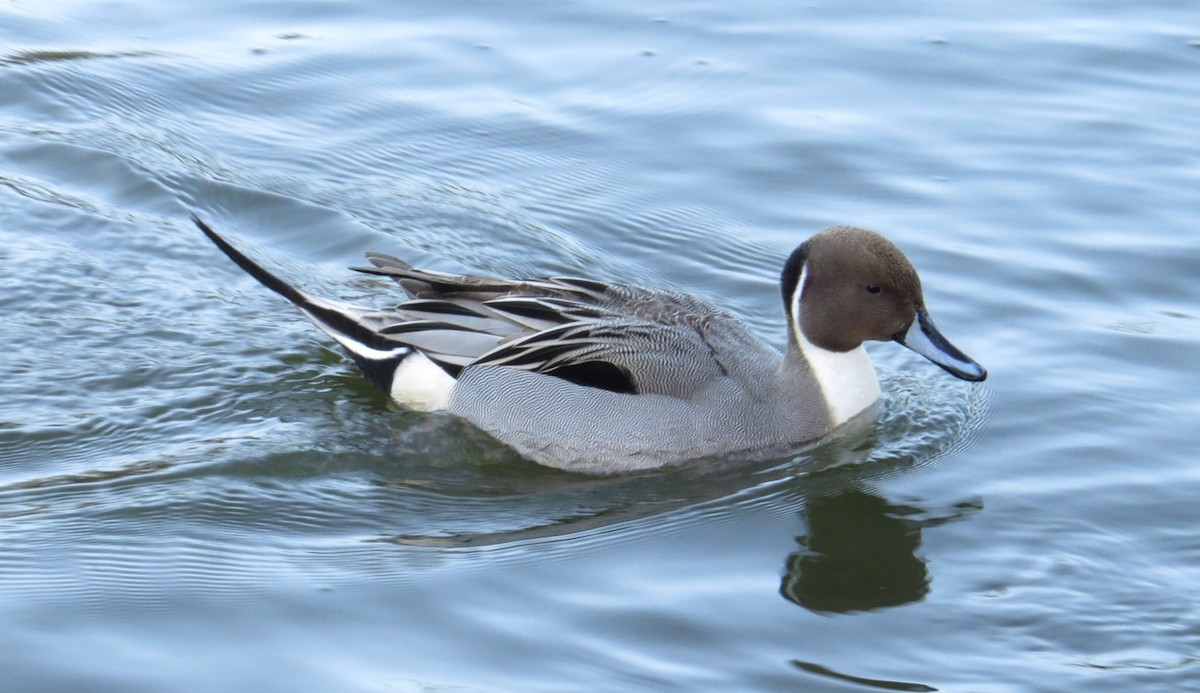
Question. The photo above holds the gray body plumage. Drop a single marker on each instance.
(561, 424)
(726, 391)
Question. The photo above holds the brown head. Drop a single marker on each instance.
(846, 285)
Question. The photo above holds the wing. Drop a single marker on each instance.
(612, 336)
(622, 355)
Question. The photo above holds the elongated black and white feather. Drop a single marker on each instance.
(359, 331)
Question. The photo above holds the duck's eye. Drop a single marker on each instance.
(873, 288)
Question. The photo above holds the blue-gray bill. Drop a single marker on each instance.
(923, 337)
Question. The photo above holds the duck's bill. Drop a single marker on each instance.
(923, 337)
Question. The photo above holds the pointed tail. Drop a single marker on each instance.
(376, 354)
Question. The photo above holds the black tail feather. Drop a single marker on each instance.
(255, 270)
(336, 322)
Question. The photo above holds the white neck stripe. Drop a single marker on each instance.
(847, 379)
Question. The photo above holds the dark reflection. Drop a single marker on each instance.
(34, 57)
(860, 553)
(881, 684)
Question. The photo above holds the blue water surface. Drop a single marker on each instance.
(198, 492)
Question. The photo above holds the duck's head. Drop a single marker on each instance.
(847, 285)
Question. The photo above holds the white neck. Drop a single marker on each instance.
(847, 378)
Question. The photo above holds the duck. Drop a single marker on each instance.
(604, 378)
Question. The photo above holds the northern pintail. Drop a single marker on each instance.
(596, 377)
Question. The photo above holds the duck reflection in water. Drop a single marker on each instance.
(861, 553)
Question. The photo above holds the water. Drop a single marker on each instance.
(198, 493)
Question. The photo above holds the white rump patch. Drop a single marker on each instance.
(847, 378)
(421, 384)
(418, 383)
